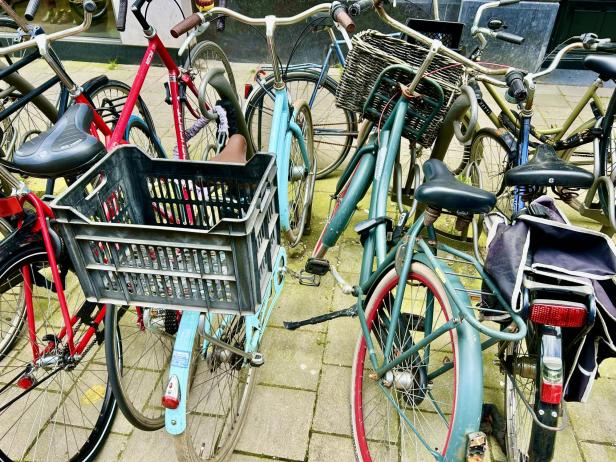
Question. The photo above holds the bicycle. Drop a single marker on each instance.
(335, 129)
(416, 378)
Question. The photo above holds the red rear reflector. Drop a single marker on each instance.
(247, 90)
(560, 314)
(10, 206)
(25, 381)
(171, 398)
(551, 393)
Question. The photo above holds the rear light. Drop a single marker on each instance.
(551, 380)
(247, 90)
(171, 398)
(558, 313)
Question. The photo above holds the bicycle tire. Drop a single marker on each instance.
(325, 164)
(220, 375)
(139, 134)
(524, 439)
(84, 434)
(204, 142)
(138, 381)
(300, 198)
(10, 326)
(419, 390)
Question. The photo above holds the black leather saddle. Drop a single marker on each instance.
(441, 190)
(547, 169)
(603, 65)
(66, 149)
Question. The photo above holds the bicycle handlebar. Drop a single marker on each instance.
(31, 9)
(360, 7)
(185, 25)
(88, 8)
(121, 19)
(341, 16)
(510, 38)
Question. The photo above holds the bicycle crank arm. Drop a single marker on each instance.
(346, 313)
(256, 359)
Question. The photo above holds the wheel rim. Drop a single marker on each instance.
(203, 145)
(146, 350)
(385, 435)
(69, 406)
(334, 128)
(220, 391)
(301, 180)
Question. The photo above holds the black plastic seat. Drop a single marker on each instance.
(603, 65)
(441, 190)
(547, 169)
(65, 149)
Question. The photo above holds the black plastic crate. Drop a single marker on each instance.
(173, 234)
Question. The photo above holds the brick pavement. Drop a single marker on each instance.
(300, 408)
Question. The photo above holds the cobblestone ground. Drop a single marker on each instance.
(300, 408)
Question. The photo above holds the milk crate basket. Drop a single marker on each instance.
(173, 234)
(372, 52)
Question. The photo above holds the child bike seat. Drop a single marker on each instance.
(67, 148)
(442, 190)
(547, 169)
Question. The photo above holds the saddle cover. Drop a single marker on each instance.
(552, 245)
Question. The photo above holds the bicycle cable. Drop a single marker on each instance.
(300, 39)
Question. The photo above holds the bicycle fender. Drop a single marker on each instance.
(94, 83)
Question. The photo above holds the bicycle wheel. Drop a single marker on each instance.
(390, 420)
(301, 176)
(607, 150)
(138, 372)
(67, 412)
(12, 308)
(204, 57)
(334, 128)
(222, 383)
(525, 440)
(140, 135)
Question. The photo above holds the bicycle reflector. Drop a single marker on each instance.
(551, 380)
(558, 313)
(171, 398)
(247, 90)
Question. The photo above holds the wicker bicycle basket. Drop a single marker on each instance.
(372, 52)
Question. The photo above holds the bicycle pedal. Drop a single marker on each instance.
(308, 279)
(477, 447)
(317, 266)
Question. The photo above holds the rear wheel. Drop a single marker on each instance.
(301, 176)
(525, 440)
(138, 372)
(222, 384)
(390, 417)
(607, 151)
(334, 128)
(67, 413)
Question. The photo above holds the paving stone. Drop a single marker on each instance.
(113, 448)
(328, 447)
(341, 339)
(332, 413)
(142, 446)
(245, 458)
(292, 358)
(278, 423)
(592, 420)
(598, 452)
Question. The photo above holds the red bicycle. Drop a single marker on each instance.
(55, 397)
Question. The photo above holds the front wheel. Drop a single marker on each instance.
(410, 414)
(301, 176)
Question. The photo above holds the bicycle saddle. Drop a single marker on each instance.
(605, 66)
(234, 152)
(442, 190)
(65, 149)
(547, 169)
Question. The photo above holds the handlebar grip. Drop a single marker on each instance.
(31, 9)
(340, 15)
(360, 7)
(515, 82)
(508, 2)
(185, 25)
(511, 38)
(607, 47)
(121, 19)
